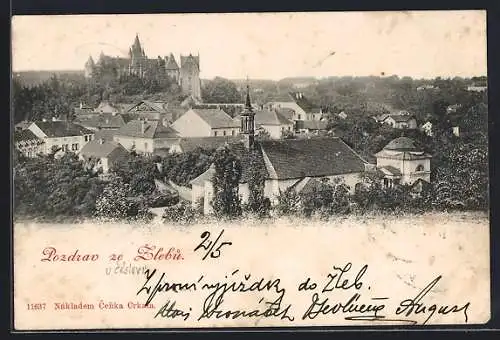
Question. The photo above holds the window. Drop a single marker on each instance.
(232, 132)
(386, 183)
(74, 147)
(224, 133)
(86, 138)
(299, 117)
(420, 167)
(215, 133)
(145, 146)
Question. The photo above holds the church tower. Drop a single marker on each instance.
(248, 122)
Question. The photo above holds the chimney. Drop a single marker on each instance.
(81, 105)
(54, 119)
(101, 141)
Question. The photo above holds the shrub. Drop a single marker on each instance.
(181, 212)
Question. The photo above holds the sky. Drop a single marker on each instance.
(421, 44)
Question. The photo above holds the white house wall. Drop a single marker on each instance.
(191, 125)
(225, 132)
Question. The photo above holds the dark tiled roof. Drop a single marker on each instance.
(25, 135)
(190, 144)
(402, 144)
(217, 118)
(152, 129)
(97, 149)
(62, 129)
(104, 120)
(297, 158)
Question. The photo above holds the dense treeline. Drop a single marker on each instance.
(50, 187)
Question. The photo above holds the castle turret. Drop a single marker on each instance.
(247, 117)
(190, 76)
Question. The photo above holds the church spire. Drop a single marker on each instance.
(248, 121)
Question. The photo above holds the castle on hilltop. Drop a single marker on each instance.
(137, 63)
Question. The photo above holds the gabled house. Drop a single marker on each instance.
(105, 154)
(402, 120)
(151, 110)
(289, 163)
(205, 123)
(28, 143)
(61, 134)
(272, 122)
(402, 162)
(145, 136)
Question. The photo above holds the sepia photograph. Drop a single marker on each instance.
(288, 145)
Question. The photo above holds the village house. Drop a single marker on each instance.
(402, 162)
(151, 110)
(427, 128)
(401, 120)
(205, 123)
(273, 122)
(61, 134)
(302, 108)
(105, 154)
(288, 163)
(28, 143)
(145, 136)
(475, 88)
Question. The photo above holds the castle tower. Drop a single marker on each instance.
(89, 67)
(137, 57)
(190, 76)
(248, 122)
(172, 68)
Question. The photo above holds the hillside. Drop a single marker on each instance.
(30, 78)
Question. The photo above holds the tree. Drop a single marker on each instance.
(226, 201)
(55, 187)
(220, 90)
(138, 172)
(114, 202)
(257, 203)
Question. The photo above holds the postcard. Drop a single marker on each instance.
(250, 170)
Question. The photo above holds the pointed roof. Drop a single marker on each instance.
(90, 61)
(190, 60)
(170, 63)
(98, 149)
